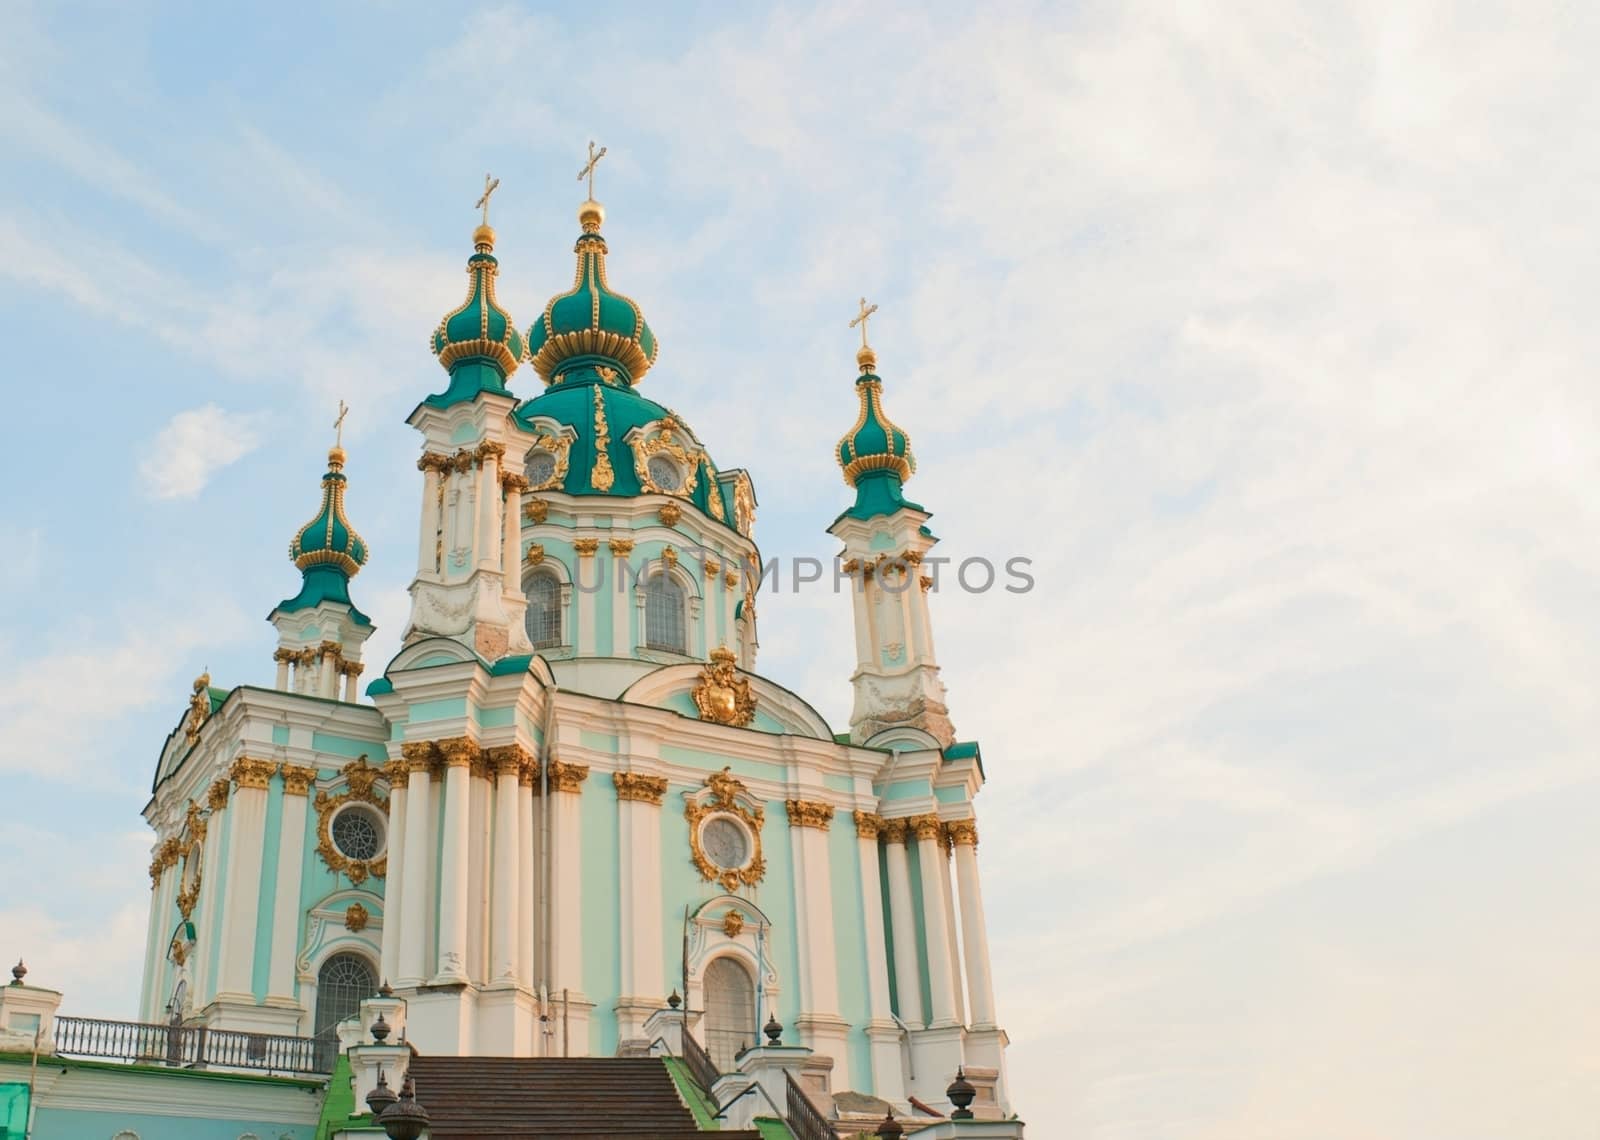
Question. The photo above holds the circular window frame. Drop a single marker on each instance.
(551, 477)
(678, 471)
(360, 779)
(750, 841)
(379, 821)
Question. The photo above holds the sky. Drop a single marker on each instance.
(1261, 328)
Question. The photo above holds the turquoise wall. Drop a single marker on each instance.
(850, 941)
(272, 835)
(79, 1124)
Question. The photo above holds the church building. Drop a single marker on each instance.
(571, 818)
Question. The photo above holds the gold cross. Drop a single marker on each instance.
(588, 170)
(866, 311)
(490, 185)
(338, 424)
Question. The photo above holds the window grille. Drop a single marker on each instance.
(663, 615)
(544, 611)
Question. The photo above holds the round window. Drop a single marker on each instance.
(664, 473)
(541, 467)
(358, 833)
(726, 843)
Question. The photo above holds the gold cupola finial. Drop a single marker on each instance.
(591, 214)
(483, 236)
(865, 357)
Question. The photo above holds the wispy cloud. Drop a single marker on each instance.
(195, 445)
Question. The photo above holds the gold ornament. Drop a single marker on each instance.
(724, 800)
(251, 773)
(723, 695)
(535, 553)
(732, 923)
(356, 917)
(809, 813)
(297, 780)
(536, 511)
(669, 514)
(869, 825)
(199, 708)
(925, 826)
(566, 777)
(586, 546)
(639, 787)
(621, 547)
(962, 832)
(602, 477)
(360, 780)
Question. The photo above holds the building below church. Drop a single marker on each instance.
(570, 819)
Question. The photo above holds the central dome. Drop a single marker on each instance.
(591, 323)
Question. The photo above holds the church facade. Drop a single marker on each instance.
(571, 802)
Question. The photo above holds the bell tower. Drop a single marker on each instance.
(885, 538)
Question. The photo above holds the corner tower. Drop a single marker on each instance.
(466, 582)
(885, 538)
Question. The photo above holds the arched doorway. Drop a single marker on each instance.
(730, 1011)
(341, 984)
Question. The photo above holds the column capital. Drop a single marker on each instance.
(585, 547)
(961, 833)
(926, 826)
(248, 772)
(458, 751)
(395, 772)
(869, 825)
(419, 755)
(297, 779)
(809, 813)
(620, 547)
(507, 759)
(894, 830)
(217, 795)
(638, 787)
(566, 777)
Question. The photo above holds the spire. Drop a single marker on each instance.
(874, 454)
(327, 550)
(591, 328)
(478, 342)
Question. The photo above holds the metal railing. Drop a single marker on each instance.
(701, 1067)
(194, 1047)
(803, 1117)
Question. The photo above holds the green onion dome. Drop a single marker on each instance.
(874, 443)
(479, 332)
(591, 324)
(329, 539)
(327, 550)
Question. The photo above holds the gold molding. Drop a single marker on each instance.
(361, 781)
(191, 845)
(297, 779)
(724, 800)
(248, 772)
(601, 476)
(809, 813)
(869, 825)
(662, 443)
(566, 777)
(722, 695)
(637, 787)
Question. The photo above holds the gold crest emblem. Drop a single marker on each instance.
(722, 694)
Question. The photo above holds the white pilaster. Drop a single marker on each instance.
(821, 1028)
(883, 1035)
(242, 895)
(413, 965)
(936, 921)
(566, 910)
(504, 918)
(639, 829)
(902, 917)
(297, 782)
(974, 931)
(527, 838)
(393, 900)
(453, 877)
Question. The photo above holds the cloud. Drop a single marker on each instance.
(194, 446)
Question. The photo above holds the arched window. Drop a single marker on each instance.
(730, 1011)
(544, 611)
(664, 624)
(341, 984)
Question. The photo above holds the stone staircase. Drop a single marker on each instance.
(554, 1098)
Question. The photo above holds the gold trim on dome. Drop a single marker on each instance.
(639, 788)
(601, 476)
(744, 504)
(558, 347)
(361, 780)
(870, 396)
(714, 494)
(726, 791)
(559, 448)
(722, 695)
(655, 439)
(809, 813)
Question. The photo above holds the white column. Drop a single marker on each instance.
(488, 529)
(936, 920)
(974, 931)
(586, 580)
(453, 878)
(394, 882)
(819, 975)
(413, 966)
(902, 918)
(204, 970)
(950, 923)
(480, 870)
(328, 676)
(566, 911)
(527, 884)
(888, 1076)
(352, 687)
(282, 682)
(242, 894)
(431, 524)
(507, 871)
(297, 782)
